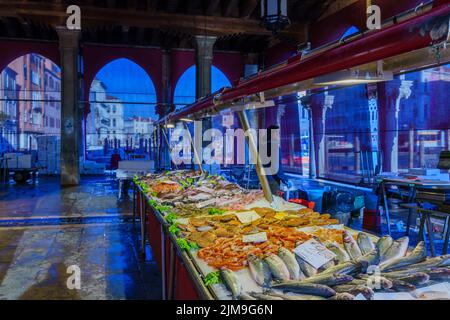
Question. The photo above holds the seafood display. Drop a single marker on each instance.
(256, 251)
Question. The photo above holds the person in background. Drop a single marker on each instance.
(276, 178)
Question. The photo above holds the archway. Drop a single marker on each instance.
(184, 93)
(30, 112)
(122, 101)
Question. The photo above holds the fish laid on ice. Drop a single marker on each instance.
(343, 296)
(305, 288)
(263, 296)
(440, 274)
(231, 282)
(365, 244)
(397, 250)
(277, 266)
(246, 296)
(307, 269)
(341, 254)
(259, 270)
(367, 292)
(295, 296)
(349, 268)
(328, 279)
(384, 243)
(371, 259)
(419, 254)
(291, 263)
(351, 246)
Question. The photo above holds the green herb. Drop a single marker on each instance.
(173, 229)
(216, 211)
(190, 181)
(153, 203)
(154, 194)
(162, 208)
(186, 245)
(171, 217)
(212, 278)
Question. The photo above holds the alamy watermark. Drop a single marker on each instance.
(74, 280)
(226, 148)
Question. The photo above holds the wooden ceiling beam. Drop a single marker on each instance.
(229, 7)
(92, 17)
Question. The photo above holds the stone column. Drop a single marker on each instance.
(166, 105)
(203, 63)
(70, 113)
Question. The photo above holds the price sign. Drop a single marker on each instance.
(314, 253)
(247, 216)
(256, 237)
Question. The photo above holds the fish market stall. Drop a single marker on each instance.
(213, 248)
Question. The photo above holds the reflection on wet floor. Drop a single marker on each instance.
(34, 259)
(95, 196)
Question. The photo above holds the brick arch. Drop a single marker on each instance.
(16, 49)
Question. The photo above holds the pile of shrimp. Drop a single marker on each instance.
(232, 252)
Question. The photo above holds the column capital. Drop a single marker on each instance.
(204, 45)
(68, 38)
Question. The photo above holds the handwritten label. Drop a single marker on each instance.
(314, 253)
(247, 216)
(256, 237)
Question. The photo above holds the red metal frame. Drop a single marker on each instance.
(392, 41)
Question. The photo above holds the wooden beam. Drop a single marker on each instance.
(92, 17)
(335, 6)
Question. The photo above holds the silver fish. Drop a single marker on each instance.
(402, 286)
(277, 267)
(417, 279)
(259, 270)
(373, 281)
(262, 296)
(328, 279)
(365, 244)
(231, 282)
(419, 254)
(307, 269)
(343, 296)
(440, 274)
(436, 262)
(245, 296)
(367, 292)
(397, 250)
(371, 259)
(351, 246)
(349, 268)
(295, 296)
(305, 288)
(384, 243)
(341, 254)
(291, 263)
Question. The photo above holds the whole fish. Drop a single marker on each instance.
(343, 296)
(259, 270)
(397, 250)
(277, 267)
(349, 268)
(262, 296)
(291, 263)
(231, 282)
(326, 266)
(419, 254)
(307, 269)
(246, 296)
(365, 244)
(370, 259)
(341, 254)
(295, 296)
(328, 279)
(367, 292)
(384, 243)
(440, 274)
(402, 286)
(436, 262)
(416, 279)
(305, 288)
(374, 282)
(351, 246)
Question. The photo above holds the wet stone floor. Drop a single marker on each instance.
(37, 261)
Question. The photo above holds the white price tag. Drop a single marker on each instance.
(247, 216)
(314, 253)
(256, 237)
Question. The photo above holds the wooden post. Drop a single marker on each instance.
(254, 150)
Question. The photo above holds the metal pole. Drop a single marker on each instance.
(168, 145)
(196, 156)
(254, 150)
